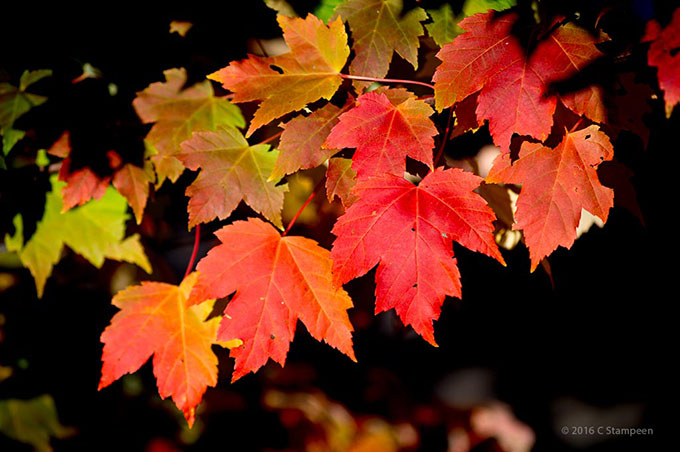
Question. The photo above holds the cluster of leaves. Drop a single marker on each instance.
(494, 68)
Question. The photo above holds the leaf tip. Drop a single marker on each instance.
(214, 76)
(500, 259)
(103, 382)
(190, 416)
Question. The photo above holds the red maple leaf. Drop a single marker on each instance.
(556, 185)
(385, 133)
(277, 281)
(409, 231)
(513, 86)
(663, 54)
(84, 184)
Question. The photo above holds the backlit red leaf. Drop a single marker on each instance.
(384, 134)
(81, 186)
(513, 86)
(663, 54)
(408, 230)
(556, 185)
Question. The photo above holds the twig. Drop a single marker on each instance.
(192, 260)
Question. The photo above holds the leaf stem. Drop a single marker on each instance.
(385, 80)
(192, 260)
(309, 199)
(580, 120)
(445, 138)
(271, 138)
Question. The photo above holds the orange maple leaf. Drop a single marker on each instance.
(556, 185)
(308, 73)
(277, 281)
(157, 319)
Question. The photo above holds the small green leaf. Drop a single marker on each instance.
(41, 159)
(15, 242)
(30, 77)
(32, 421)
(472, 7)
(444, 26)
(15, 102)
(325, 9)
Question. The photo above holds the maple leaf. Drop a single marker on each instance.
(556, 185)
(384, 134)
(444, 26)
(513, 87)
(277, 281)
(84, 184)
(302, 139)
(157, 319)
(663, 54)
(408, 230)
(231, 171)
(573, 49)
(181, 27)
(310, 71)
(378, 30)
(340, 179)
(177, 112)
(81, 185)
(95, 231)
(33, 421)
(325, 9)
(132, 182)
(14, 102)
(466, 118)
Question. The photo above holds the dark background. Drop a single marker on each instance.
(599, 333)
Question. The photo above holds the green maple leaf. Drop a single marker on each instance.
(176, 111)
(32, 421)
(96, 231)
(379, 29)
(444, 26)
(15, 102)
(231, 171)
